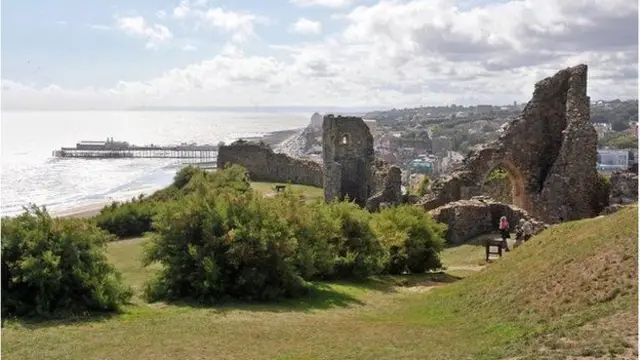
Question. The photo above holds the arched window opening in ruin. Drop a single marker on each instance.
(345, 139)
(505, 184)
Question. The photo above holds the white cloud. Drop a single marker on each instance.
(189, 47)
(236, 23)
(322, 3)
(182, 10)
(196, 13)
(240, 25)
(187, 8)
(98, 27)
(306, 27)
(161, 14)
(61, 22)
(394, 53)
(155, 34)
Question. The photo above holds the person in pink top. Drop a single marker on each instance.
(504, 232)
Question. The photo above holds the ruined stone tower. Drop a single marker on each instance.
(348, 157)
(550, 151)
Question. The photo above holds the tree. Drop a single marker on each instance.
(619, 125)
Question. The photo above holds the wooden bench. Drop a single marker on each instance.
(280, 188)
(493, 242)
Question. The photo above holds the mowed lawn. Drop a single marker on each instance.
(334, 321)
(268, 188)
(571, 290)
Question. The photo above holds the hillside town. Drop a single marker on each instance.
(433, 140)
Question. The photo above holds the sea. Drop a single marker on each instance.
(30, 174)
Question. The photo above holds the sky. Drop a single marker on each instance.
(98, 54)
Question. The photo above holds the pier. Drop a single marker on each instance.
(119, 149)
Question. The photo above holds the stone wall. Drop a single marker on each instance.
(388, 185)
(348, 158)
(350, 168)
(550, 152)
(480, 215)
(263, 164)
(624, 188)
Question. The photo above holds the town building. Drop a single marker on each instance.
(612, 160)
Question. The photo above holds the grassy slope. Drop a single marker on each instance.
(572, 290)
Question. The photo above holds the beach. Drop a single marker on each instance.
(31, 175)
(85, 211)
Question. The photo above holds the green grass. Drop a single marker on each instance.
(571, 290)
(268, 188)
(466, 256)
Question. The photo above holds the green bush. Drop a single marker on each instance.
(57, 266)
(219, 246)
(360, 253)
(600, 198)
(316, 230)
(127, 219)
(335, 240)
(135, 217)
(184, 175)
(224, 241)
(497, 174)
(412, 238)
(424, 186)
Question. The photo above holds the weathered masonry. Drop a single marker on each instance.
(550, 152)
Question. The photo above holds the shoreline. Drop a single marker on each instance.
(83, 211)
(272, 139)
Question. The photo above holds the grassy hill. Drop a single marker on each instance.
(570, 291)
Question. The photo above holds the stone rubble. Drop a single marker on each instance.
(480, 215)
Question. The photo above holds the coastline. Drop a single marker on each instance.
(275, 138)
(89, 210)
(84, 211)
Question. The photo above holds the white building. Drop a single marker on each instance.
(613, 159)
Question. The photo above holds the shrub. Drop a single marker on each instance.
(317, 232)
(184, 175)
(424, 186)
(56, 266)
(412, 238)
(497, 174)
(135, 218)
(224, 241)
(127, 219)
(600, 198)
(218, 246)
(360, 253)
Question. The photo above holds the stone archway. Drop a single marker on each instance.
(554, 145)
(516, 184)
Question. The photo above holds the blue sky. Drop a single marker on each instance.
(340, 52)
(42, 40)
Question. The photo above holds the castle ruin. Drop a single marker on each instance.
(263, 164)
(549, 152)
(350, 168)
